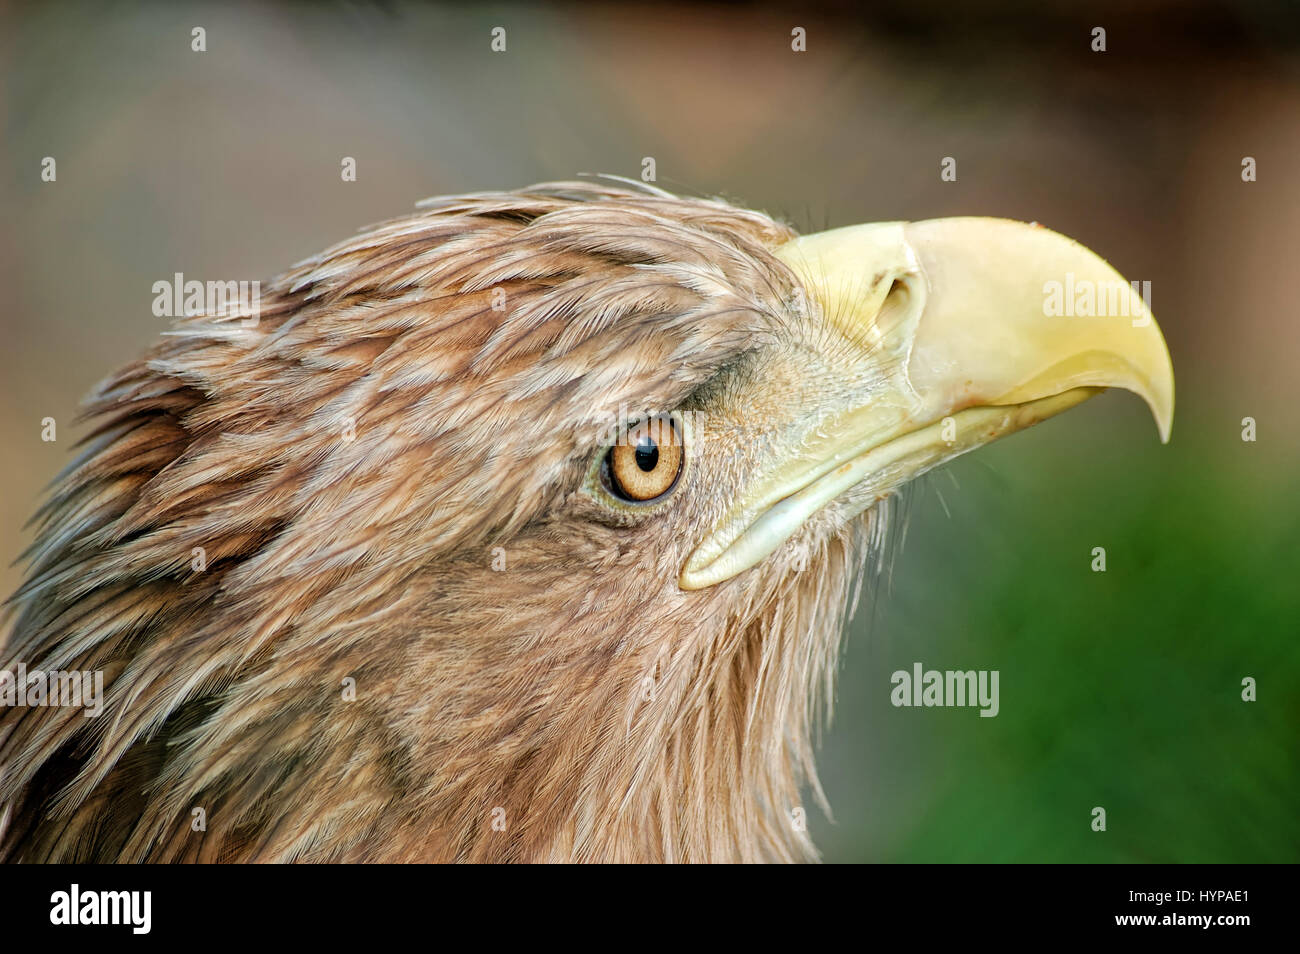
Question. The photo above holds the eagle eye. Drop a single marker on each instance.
(644, 464)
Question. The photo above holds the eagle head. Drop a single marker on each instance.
(521, 528)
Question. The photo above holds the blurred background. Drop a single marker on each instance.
(1119, 689)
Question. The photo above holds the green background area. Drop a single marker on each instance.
(1120, 689)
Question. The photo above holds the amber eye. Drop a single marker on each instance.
(646, 463)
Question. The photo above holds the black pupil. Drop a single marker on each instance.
(647, 454)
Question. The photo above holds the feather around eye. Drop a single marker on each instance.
(645, 465)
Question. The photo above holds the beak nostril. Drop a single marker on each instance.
(894, 320)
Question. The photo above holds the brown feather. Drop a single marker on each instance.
(521, 690)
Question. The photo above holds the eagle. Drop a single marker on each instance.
(523, 528)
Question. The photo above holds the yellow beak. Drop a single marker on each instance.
(950, 333)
